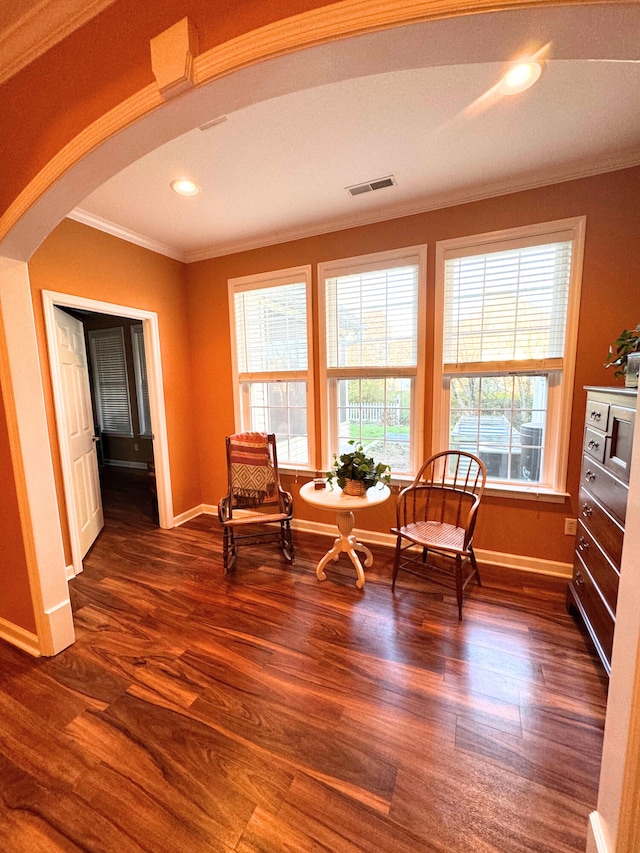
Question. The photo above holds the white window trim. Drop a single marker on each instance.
(560, 394)
(367, 263)
(276, 278)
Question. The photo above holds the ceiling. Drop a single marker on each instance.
(418, 103)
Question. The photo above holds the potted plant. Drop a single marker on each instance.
(355, 472)
(624, 355)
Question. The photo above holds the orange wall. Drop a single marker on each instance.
(100, 65)
(611, 287)
(81, 261)
(15, 601)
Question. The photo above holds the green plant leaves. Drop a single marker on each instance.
(626, 343)
(356, 465)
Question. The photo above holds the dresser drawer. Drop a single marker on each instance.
(602, 572)
(593, 610)
(597, 414)
(594, 444)
(605, 488)
(605, 529)
(619, 442)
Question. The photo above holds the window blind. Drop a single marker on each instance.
(110, 378)
(142, 384)
(372, 318)
(508, 305)
(271, 328)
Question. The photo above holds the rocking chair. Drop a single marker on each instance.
(256, 508)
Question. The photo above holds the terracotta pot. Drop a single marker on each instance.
(355, 488)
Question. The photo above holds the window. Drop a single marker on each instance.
(373, 355)
(270, 322)
(110, 379)
(508, 304)
(142, 385)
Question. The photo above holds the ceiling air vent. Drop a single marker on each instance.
(378, 184)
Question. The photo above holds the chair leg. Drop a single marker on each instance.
(472, 557)
(225, 548)
(286, 541)
(396, 563)
(459, 584)
(229, 550)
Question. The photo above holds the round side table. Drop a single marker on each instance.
(333, 498)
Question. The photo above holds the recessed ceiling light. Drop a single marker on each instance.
(185, 187)
(519, 77)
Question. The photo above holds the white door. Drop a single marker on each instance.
(79, 430)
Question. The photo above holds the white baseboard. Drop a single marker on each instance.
(524, 564)
(20, 637)
(371, 536)
(183, 517)
(596, 834)
(488, 558)
(70, 572)
(484, 557)
(57, 629)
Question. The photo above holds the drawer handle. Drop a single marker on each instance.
(578, 580)
(589, 475)
(583, 545)
(593, 445)
(586, 510)
(595, 415)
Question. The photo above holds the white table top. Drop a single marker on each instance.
(332, 497)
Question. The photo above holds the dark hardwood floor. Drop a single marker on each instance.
(269, 712)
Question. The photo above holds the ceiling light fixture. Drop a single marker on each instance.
(185, 187)
(520, 77)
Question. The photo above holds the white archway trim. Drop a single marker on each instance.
(32, 463)
(156, 402)
(42, 26)
(45, 213)
(46, 198)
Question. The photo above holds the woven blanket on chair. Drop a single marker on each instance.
(252, 476)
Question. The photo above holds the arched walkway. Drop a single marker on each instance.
(226, 78)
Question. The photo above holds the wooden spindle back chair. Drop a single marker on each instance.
(437, 513)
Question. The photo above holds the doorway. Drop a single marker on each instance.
(153, 449)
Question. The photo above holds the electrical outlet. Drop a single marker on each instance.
(570, 526)
(135, 446)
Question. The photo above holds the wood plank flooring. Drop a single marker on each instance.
(269, 712)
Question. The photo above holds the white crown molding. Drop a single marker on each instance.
(42, 27)
(342, 224)
(86, 218)
(40, 205)
(424, 206)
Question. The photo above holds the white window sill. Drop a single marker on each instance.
(544, 494)
(298, 470)
(504, 490)
(498, 490)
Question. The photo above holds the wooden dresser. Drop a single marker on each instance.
(604, 479)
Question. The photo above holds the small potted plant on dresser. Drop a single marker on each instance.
(624, 355)
(355, 472)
